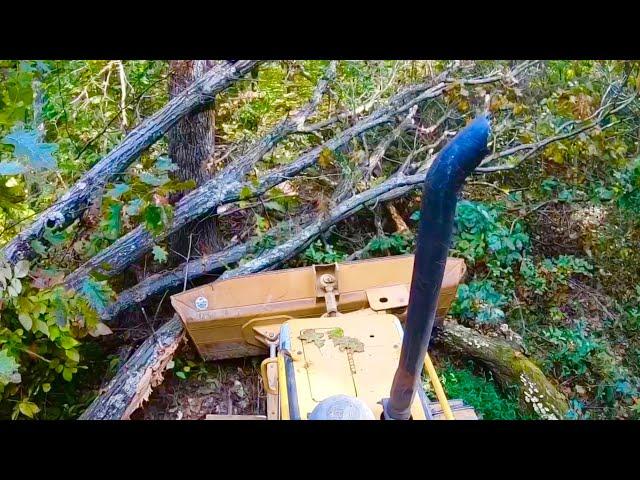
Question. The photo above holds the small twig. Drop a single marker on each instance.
(123, 95)
(186, 269)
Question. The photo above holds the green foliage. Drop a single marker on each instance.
(517, 272)
(484, 235)
(29, 149)
(628, 189)
(98, 293)
(394, 244)
(479, 302)
(319, 253)
(159, 254)
(571, 352)
(480, 392)
(8, 369)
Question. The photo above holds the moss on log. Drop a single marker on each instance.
(510, 367)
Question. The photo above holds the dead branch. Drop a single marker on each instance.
(532, 148)
(227, 186)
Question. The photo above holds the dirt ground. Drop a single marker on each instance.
(231, 387)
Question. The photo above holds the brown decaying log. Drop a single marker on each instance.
(73, 203)
(509, 366)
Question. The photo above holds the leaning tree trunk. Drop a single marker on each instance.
(509, 366)
(191, 147)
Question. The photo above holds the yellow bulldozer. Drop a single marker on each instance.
(348, 341)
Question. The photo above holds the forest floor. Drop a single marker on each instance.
(230, 387)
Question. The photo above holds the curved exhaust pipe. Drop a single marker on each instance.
(442, 185)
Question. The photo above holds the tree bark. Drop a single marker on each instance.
(74, 202)
(191, 146)
(133, 383)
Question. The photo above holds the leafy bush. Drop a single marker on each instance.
(628, 188)
(394, 244)
(480, 392)
(479, 302)
(318, 252)
(483, 235)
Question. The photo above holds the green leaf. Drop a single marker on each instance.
(150, 179)
(53, 237)
(273, 205)
(43, 327)
(72, 354)
(8, 369)
(60, 312)
(98, 293)
(118, 190)
(245, 193)
(67, 374)
(133, 207)
(21, 269)
(38, 247)
(27, 145)
(28, 409)
(11, 168)
(153, 218)
(164, 164)
(181, 375)
(113, 222)
(46, 387)
(25, 320)
(14, 288)
(68, 342)
(159, 254)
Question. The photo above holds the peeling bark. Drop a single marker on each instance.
(134, 382)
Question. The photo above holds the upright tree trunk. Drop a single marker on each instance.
(191, 147)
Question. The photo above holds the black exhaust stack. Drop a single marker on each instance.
(442, 186)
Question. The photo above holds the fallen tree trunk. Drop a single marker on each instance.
(130, 387)
(509, 366)
(499, 356)
(73, 203)
(394, 187)
(202, 200)
(171, 279)
(133, 383)
(228, 187)
(299, 239)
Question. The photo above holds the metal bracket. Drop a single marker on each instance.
(261, 331)
(387, 298)
(326, 284)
